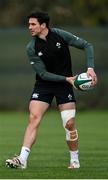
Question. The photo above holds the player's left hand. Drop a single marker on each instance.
(90, 72)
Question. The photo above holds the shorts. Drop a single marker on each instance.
(63, 92)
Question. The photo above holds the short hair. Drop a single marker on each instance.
(42, 17)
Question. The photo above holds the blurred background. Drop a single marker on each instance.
(85, 18)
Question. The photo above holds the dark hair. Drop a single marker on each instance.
(42, 17)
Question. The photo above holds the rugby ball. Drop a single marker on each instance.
(83, 82)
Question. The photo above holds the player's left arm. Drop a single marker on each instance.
(80, 43)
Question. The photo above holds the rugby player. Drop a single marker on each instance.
(49, 55)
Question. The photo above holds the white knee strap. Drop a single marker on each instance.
(66, 115)
(71, 135)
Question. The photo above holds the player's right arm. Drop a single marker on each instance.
(39, 66)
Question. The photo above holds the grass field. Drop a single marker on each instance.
(50, 157)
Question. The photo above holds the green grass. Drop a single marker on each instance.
(49, 157)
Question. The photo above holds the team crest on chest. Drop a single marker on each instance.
(40, 53)
(58, 45)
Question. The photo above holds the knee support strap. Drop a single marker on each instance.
(71, 135)
(66, 115)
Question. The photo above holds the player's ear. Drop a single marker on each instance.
(43, 25)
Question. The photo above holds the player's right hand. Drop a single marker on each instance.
(71, 79)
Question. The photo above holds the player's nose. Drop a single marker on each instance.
(30, 27)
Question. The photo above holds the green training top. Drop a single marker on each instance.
(40, 60)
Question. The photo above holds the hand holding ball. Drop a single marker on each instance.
(83, 82)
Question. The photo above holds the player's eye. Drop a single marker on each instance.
(31, 24)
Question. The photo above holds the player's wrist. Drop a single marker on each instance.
(90, 68)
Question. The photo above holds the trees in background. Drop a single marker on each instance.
(87, 13)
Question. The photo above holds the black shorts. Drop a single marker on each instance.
(63, 92)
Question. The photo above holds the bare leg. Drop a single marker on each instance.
(37, 109)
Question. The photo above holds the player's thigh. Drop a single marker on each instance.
(66, 106)
(65, 97)
(38, 108)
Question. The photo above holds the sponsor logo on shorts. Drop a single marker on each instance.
(35, 95)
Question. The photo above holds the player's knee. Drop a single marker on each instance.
(34, 119)
(33, 116)
(68, 118)
(70, 124)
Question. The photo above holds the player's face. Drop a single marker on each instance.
(34, 27)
